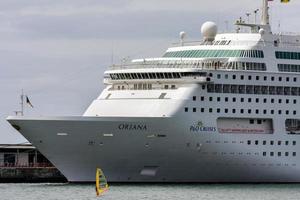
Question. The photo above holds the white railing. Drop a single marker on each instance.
(171, 64)
(237, 43)
(231, 43)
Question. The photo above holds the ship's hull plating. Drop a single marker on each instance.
(154, 150)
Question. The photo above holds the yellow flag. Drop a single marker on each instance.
(285, 1)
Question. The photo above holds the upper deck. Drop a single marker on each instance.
(253, 47)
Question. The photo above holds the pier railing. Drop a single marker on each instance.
(29, 165)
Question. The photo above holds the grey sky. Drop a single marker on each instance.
(57, 50)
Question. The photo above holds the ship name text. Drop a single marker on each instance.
(132, 127)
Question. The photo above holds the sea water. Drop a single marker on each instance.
(151, 191)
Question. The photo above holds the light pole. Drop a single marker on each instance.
(248, 17)
(255, 14)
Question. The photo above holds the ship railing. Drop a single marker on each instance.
(239, 43)
(219, 43)
(212, 64)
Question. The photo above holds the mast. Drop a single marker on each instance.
(265, 18)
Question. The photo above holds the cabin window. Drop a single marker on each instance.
(286, 154)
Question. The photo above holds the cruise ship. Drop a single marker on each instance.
(224, 109)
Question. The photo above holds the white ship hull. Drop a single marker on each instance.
(153, 150)
(225, 109)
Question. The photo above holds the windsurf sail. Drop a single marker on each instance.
(101, 182)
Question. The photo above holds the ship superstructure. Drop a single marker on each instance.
(225, 109)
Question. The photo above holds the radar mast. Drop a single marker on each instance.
(265, 18)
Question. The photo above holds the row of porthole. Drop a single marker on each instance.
(261, 164)
(279, 154)
(242, 111)
(248, 100)
(257, 78)
(256, 142)
(264, 142)
(225, 142)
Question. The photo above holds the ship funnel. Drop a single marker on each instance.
(209, 31)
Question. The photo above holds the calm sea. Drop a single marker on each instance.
(142, 191)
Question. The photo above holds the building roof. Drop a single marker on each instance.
(16, 146)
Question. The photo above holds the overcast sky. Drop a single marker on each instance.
(57, 50)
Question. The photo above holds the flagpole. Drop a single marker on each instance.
(22, 103)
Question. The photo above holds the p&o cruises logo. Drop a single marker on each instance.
(200, 128)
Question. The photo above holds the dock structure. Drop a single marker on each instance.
(24, 163)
